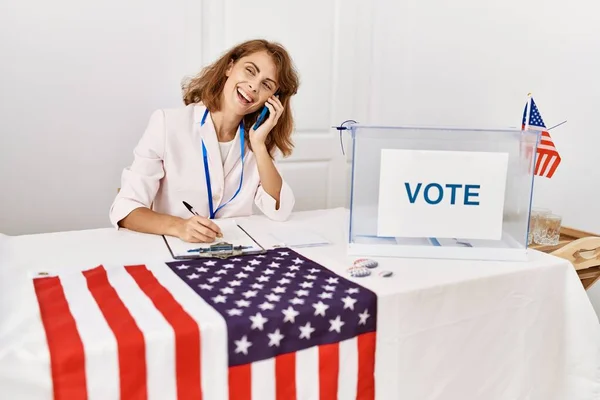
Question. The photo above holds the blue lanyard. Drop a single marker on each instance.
(207, 172)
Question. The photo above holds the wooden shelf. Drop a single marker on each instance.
(582, 249)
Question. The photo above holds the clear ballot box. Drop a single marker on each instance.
(441, 192)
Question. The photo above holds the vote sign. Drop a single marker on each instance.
(441, 194)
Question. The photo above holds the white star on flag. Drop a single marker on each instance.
(290, 314)
(336, 324)
(243, 303)
(266, 306)
(250, 293)
(349, 302)
(242, 346)
(320, 308)
(258, 321)
(272, 297)
(227, 290)
(219, 299)
(275, 338)
(306, 331)
(363, 317)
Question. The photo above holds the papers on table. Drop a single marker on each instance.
(232, 234)
(297, 236)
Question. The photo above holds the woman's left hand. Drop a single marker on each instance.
(258, 137)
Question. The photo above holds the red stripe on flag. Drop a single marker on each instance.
(285, 376)
(187, 334)
(67, 356)
(366, 366)
(553, 166)
(240, 382)
(130, 339)
(329, 369)
(547, 160)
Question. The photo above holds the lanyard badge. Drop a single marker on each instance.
(207, 171)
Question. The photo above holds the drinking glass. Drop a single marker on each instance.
(536, 213)
(547, 229)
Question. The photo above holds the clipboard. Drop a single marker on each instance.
(222, 249)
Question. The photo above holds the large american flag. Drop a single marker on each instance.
(271, 326)
(547, 159)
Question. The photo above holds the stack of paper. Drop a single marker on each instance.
(298, 236)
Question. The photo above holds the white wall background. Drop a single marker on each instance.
(79, 80)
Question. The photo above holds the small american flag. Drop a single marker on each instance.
(547, 159)
(270, 326)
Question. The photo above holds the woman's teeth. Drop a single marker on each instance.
(244, 97)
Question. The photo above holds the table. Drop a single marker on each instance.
(447, 329)
(581, 249)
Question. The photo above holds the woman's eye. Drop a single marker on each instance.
(250, 70)
(267, 86)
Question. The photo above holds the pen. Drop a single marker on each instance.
(190, 208)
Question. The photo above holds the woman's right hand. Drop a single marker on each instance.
(198, 230)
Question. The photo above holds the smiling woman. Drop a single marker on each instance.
(208, 155)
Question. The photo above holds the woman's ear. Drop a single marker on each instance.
(229, 68)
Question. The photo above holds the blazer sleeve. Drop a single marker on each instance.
(267, 204)
(140, 181)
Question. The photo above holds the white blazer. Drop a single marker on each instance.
(168, 168)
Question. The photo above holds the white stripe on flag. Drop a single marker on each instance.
(307, 373)
(553, 160)
(348, 376)
(540, 162)
(159, 337)
(263, 379)
(546, 147)
(213, 333)
(99, 343)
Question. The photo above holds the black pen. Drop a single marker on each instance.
(190, 208)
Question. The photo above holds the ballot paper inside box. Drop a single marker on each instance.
(440, 192)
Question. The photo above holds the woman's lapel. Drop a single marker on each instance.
(209, 136)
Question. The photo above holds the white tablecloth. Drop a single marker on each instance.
(447, 329)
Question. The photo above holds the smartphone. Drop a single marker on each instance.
(264, 114)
